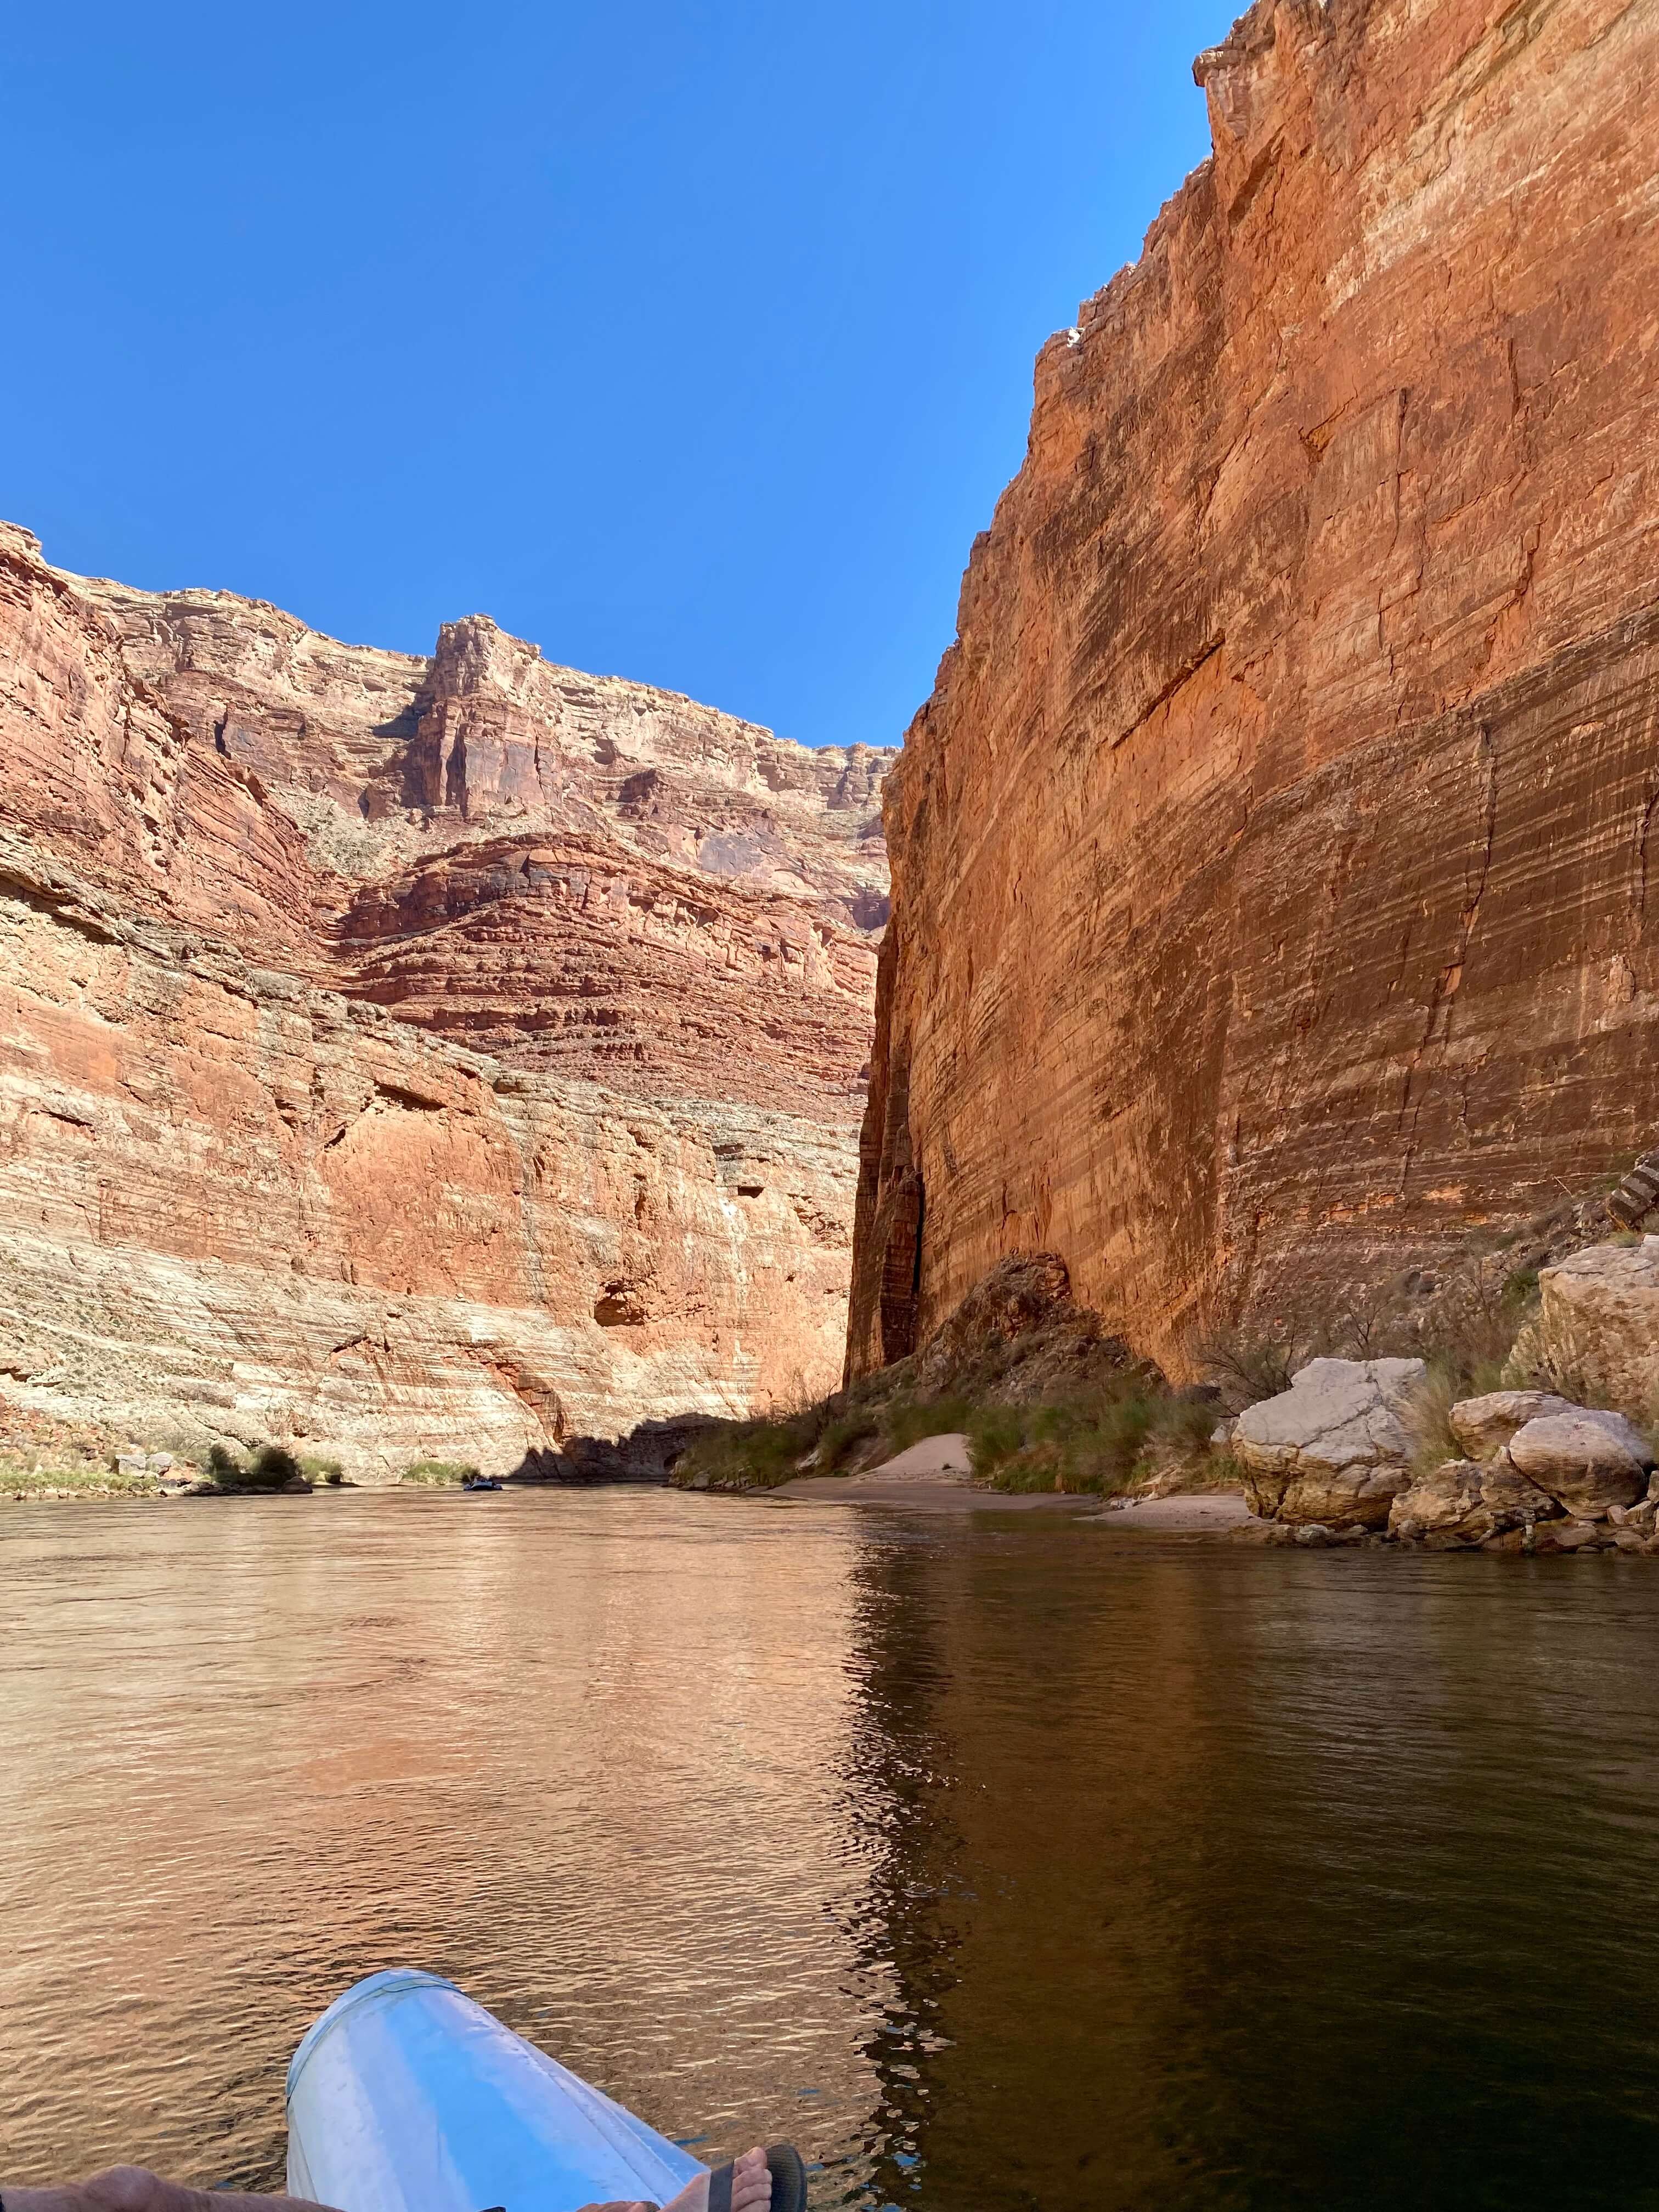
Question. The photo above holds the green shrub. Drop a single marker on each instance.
(267, 1467)
(746, 1454)
(271, 1466)
(1089, 1445)
(439, 1473)
(1186, 1424)
(840, 1435)
(995, 1434)
(907, 1421)
(316, 1469)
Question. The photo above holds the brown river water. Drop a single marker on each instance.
(999, 1862)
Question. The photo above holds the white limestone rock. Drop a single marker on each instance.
(1334, 1446)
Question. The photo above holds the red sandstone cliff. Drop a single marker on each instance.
(410, 1056)
(1271, 861)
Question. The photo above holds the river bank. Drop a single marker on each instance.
(936, 1476)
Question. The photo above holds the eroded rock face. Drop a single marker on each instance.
(1599, 1313)
(1467, 1503)
(418, 1058)
(1334, 1448)
(1020, 1336)
(1272, 859)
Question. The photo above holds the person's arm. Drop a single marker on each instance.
(134, 2189)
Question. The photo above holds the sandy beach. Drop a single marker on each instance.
(935, 1476)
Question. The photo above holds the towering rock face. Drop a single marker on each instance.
(1272, 862)
(456, 1056)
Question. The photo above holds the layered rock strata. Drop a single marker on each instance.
(1273, 860)
(410, 1056)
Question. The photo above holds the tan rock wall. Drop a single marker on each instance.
(256, 1178)
(1271, 862)
(238, 1205)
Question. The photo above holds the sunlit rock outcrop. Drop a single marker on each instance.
(1273, 860)
(410, 1055)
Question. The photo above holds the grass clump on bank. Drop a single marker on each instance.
(440, 1474)
(822, 1438)
(79, 1478)
(1096, 1444)
(746, 1454)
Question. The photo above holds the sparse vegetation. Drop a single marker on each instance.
(1463, 1322)
(1247, 1367)
(328, 1471)
(907, 1421)
(839, 1434)
(439, 1473)
(266, 1468)
(1049, 1402)
(1099, 1443)
(805, 1438)
(76, 1479)
(1430, 1423)
(746, 1454)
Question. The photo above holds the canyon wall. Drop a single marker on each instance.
(404, 1057)
(1271, 861)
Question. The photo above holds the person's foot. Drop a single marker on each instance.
(751, 2189)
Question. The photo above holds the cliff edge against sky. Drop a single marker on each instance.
(1271, 861)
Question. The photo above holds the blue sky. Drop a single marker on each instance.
(691, 339)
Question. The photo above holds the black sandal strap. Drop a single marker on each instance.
(783, 2163)
(719, 2188)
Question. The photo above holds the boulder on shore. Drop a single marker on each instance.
(1601, 1307)
(1334, 1446)
(1469, 1502)
(1587, 1460)
(1484, 1426)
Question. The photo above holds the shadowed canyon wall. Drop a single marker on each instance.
(412, 1056)
(1271, 861)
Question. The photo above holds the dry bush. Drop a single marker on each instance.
(1428, 1422)
(1247, 1368)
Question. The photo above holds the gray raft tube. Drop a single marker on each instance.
(408, 2097)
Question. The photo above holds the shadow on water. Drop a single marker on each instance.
(1003, 1864)
(1228, 1880)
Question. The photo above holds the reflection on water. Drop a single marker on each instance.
(1002, 1863)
